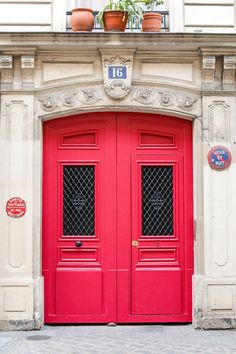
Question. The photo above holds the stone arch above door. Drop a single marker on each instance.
(59, 102)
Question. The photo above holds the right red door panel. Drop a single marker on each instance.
(155, 215)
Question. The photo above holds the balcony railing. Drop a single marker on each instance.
(135, 25)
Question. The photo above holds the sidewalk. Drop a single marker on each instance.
(126, 339)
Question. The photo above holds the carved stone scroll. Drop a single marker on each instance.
(48, 102)
(51, 101)
(186, 103)
(165, 99)
(146, 96)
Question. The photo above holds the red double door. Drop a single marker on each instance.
(117, 219)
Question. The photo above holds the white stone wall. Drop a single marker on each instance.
(44, 80)
(27, 15)
(209, 16)
(199, 16)
(19, 146)
(215, 285)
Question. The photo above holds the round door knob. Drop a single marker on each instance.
(78, 243)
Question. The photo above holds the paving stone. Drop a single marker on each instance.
(136, 339)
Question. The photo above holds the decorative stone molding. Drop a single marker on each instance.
(17, 296)
(214, 300)
(15, 111)
(219, 121)
(51, 102)
(6, 62)
(68, 99)
(87, 96)
(117, 74)
(27, 66)
(117, 90)
(6, 79)
(117, 60)
(186, 103)
(48, 102)
(165, 99)
(229, 71)
(27, 62)
(154, 98)
(208, 72)
(145, 96)
(212, 69)
(6, 67)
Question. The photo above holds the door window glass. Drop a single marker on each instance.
(157, 200)
(78, 200)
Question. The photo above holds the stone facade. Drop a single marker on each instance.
(197, 16)
(46, 76)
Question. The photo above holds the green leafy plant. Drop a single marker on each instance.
(132, 7)
(151, 4)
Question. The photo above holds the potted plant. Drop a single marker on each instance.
(152, 20)
(116, 13)
(82, 18)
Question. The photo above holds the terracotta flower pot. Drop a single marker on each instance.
(82, 20)
(151, 22)
(115, 21)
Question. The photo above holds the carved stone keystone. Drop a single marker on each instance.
(117, 75)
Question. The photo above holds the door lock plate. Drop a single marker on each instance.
(135, 243)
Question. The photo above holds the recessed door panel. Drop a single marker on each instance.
(73, 298)
(117, 219)
(156, 291)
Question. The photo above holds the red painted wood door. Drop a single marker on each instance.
(117, 219)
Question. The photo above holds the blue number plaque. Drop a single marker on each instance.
(117, 72)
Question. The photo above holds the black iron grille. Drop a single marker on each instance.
(157, 200)
(78, 200)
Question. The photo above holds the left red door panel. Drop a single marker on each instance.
(79, 207)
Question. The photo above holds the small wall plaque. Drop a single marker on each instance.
(117, 73)
(219, 158)
(15, 207)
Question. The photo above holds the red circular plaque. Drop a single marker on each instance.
(219, 158)
(15, 207)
